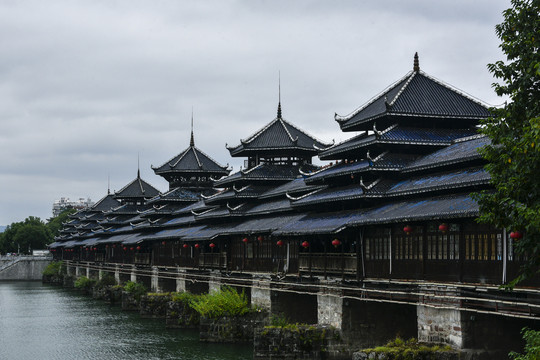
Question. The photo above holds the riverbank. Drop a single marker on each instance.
(270, 341)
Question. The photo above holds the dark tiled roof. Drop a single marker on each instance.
(246, 192)
(263, 225)
(191, 160)
(106, 203)
(292, 187)
(269, 206)
(176, 195)
(441, 181)
(460, 152)
(138, 188)
(332, 194)
(397, 135)
(261, 172)
(279, 134)
(458, 206)
(417, 94)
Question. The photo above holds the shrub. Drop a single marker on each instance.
(532, 346)
(84, 283)
(135, 289)
(54, 268)
(227, 302)
(106, 280)
(400, 349)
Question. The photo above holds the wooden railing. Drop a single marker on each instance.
(328, 263)
(210, 260)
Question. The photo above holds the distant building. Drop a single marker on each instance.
(64, 203)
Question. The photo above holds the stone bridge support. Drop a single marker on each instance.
(181, 280)
(330, 308)
(261, 294)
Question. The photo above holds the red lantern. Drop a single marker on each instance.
(516, 235)
(279, 243)
(131, 248)
(212, 245)
(197, 246)
(443, 227)
(95, 249)
(407, 229)
(125, 248)
(185, 246)
(86, 249)
(138, 248)
(114, 246)
(163, 243)
(106, 246)
(336, 243)
(245, 240)
(305, 244)
(260, 238)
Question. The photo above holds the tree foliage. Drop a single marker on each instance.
(25, 236)
(514, 154)
(56, 223)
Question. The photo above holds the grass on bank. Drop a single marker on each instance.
(227, 302)
(407, 349)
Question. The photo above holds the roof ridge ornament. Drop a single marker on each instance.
(279, 96)
(192, 140)
(368, 187)
(416, 63)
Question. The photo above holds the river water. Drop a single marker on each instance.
(49, 323)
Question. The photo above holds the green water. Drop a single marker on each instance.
(44, 322)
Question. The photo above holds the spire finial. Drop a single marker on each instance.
(416, 65)
(108, 184)
(138, 166)
(279, 96)
(192, 141)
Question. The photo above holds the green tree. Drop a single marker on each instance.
(25, 236)
(56, 223)
(514, 155)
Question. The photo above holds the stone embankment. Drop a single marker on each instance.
(23, 268)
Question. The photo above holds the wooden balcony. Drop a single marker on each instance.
(214, 261)
(328, 263)
(142, 259)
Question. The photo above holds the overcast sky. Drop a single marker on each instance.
(86, 86)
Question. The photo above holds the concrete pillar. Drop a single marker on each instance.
(78, 271)
(88, 272)
(214, 282)
(330, 308)
(133, 276)
(261, 295)
(154, 281)
(181, 280)
(117, 273)
(437, 322)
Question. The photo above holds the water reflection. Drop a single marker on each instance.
(43, 322)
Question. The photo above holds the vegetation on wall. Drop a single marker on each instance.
(227, 302)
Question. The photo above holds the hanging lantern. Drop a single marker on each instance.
(95, 249)
(138, 248)
(407, 229)
(185, 246)
(260, 238)
(305, 244)
(114, 246)
(197, 246)
(443, 227)
(86, 249)
(279, 243)
(163, 243)
(131, 248)
(245, 240)
(336, 243)
(212, 245)
(516, 235)
(125, 248)
(106, 246)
